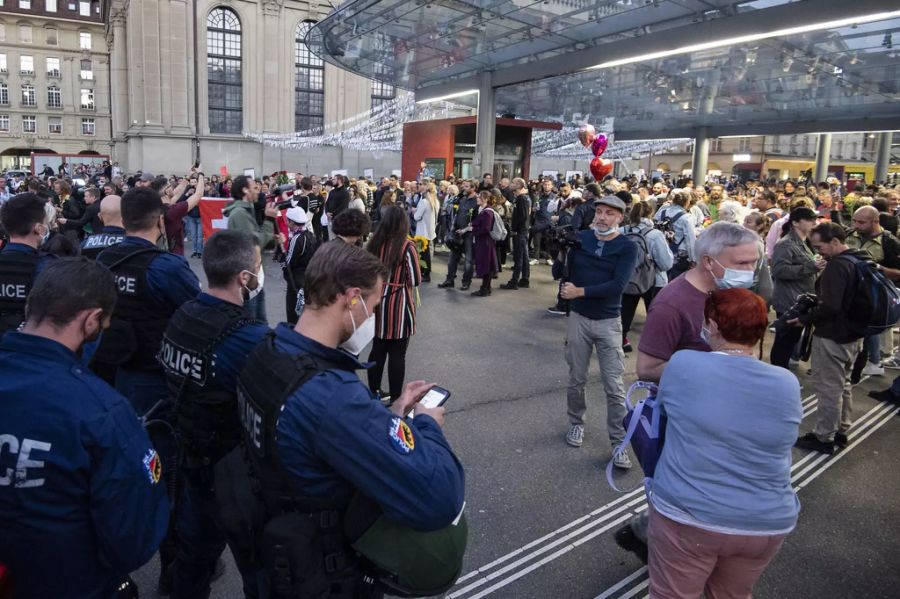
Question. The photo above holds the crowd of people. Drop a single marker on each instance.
(171, 409)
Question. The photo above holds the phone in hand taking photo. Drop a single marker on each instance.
(436, 397)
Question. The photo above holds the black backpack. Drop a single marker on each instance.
(876, 303)
(644, 277)
(667, 226)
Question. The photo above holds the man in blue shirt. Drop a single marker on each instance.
(203, 351)
(25, 220)
(597, 274)
(81, 495)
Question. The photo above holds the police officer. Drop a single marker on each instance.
(25, 219)
(314, 435)
(152, 284)
(81, 498)
(203, 350)
(112, 233)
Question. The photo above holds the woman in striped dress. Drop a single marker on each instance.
(395, 318)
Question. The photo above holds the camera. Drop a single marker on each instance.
(277, 191)
(805, 302)
(559, 238)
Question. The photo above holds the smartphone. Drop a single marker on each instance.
(436, 396)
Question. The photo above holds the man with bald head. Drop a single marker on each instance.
(884, 248)
(112, 233)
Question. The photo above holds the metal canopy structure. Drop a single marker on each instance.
(662, 68)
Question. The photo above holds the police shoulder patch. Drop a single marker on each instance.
(401, 436)
(153, 466)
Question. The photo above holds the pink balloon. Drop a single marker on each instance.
(586, 135)
(600, 167)
(598, 146)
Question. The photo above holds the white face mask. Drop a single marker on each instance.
(733, 278)
(260, 279)
(603, 232)
(361, 336)
(46, 235)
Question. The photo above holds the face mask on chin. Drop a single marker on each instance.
(260, 276)
(598, 230)
(361, 336)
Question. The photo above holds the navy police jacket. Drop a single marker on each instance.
(170, 279)
(335, 439)
(81, 498)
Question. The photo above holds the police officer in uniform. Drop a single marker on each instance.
(203, 351)
(112, 233)
(152, 285)
(81, 497)
(314, 435)
(25, 219)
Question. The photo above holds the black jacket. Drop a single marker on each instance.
(338, 200)
(835, 289)
(521, 207)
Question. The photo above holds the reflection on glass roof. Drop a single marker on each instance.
(422, 42)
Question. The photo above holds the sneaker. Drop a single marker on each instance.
(533, 261)
(556, 310)
(792, 363)
(885, 395)
(772, 329)
(446, 285)
(512, 285)
(811, 441)
(892, 363)
(575, 436)
(523, 283)
(626, 347)
(840, 440)
(549, 262)
(622, 461)
(873, 369)
(482, 292)
(627, 540)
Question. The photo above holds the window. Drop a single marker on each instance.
(72, 6)
(4, 122)
(28, 98)
(52, 37)
(54, 125)
(3, 67)
(25, 4)
(84, 39)
(87, 99)
(744, 145)
(52, 67)
(88, 127)
(84, 9)
(382, 92)
(25, 34)
(29, 123)
(87, 69)
(54, 97)
(26, 65)
(2, 32)
(309, 83)
(51, 6)
(223, 71)
(715, 145)
(4, 94)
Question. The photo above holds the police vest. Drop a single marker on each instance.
(96, 243)
(206, 414)
(16, 277)
(138, 321)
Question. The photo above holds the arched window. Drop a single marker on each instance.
(223, 71)
(382, 92)
(309, 83)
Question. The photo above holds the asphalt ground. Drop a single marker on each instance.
(541, 515)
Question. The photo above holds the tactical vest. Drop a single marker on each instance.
(206, 416)
(138, 322)
(96, 243)
(16, 278)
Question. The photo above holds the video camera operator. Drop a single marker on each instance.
(598, 271)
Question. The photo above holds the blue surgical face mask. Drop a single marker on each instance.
(733, 278)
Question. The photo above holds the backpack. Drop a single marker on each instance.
(667, 226)
(644, 277)
(876, 304)
(645, 427)
(498, 230)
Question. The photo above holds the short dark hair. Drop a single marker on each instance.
(880, 204)
(828, 231)
(238, 184)
(335, 267)
(306, 184)
(352, 223)
(22, 212)
(141, 207)
(226, 254)
(95, 193)
(68, 286)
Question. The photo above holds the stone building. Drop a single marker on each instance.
(54, 80)
(192, 78)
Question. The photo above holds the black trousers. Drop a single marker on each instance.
(290, 304)
(786, 338)
(629, 307)
(390, 353)
(502, 251)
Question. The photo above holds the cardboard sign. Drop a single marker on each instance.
(211, 215)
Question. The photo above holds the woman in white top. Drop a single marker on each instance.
(425, 216)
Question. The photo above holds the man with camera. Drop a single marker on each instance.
(834, 344)
(598, 270)
(461, 244)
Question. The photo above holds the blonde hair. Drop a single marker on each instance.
(453, 190)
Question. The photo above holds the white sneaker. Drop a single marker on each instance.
(873, 369)
(622, 461)
(793, 363)
(892, 363)
(533, 261)
(549, 262)
(575, 436)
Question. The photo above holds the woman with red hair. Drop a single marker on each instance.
(721, 497)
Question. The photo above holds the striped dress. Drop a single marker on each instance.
(396, 315)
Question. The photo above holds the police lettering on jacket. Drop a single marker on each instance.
(28, 471)
(183, 362)
(101, 240)
(13, 291)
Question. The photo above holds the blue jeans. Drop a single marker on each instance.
(872, 346)
(195, 232)
(521, 267)
(456, 254)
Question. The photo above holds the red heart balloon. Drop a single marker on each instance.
(600, 167)
(599, 144)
